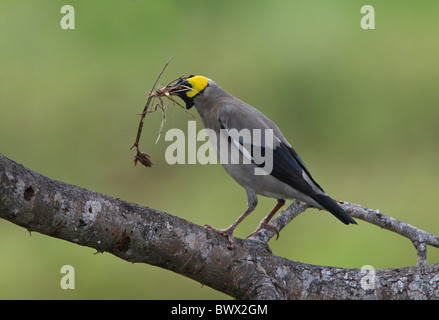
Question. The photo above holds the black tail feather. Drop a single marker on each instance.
(332, 206)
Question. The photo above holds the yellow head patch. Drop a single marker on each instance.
(198, 84)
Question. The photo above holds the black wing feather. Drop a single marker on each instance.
(288, 167)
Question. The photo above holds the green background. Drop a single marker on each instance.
(359, 106)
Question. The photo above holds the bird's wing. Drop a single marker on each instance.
(288, 167)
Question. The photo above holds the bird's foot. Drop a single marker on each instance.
(263, 226)
(226, 232)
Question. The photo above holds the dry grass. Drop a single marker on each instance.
(167, 91)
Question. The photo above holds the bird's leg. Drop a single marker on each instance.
(264, 223)
(229, 231)
(252, 202)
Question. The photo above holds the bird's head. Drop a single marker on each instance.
(190, 88)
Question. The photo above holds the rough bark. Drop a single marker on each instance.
(141, 234)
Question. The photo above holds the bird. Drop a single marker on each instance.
(288, 179)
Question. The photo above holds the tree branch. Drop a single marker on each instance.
(419, 238)
(141, 234)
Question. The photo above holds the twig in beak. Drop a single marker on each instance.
(168, 91)
(143, 157)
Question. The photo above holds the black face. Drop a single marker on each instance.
(182, 93)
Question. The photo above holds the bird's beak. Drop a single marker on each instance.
(178, 89)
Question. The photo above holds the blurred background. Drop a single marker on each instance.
(359, 106)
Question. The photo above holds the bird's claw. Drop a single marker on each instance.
(225, 232)
(263, 226)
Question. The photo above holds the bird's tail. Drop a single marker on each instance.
(332, 206)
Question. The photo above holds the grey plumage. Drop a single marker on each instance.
(289, 177)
